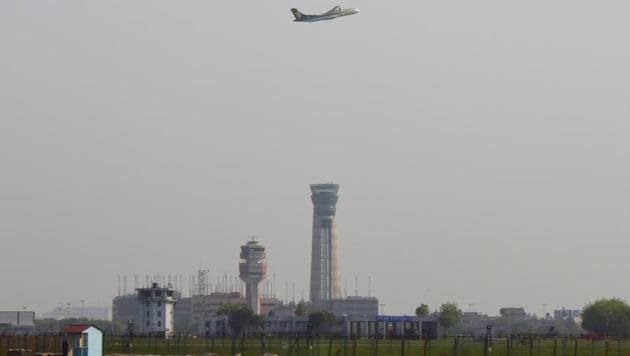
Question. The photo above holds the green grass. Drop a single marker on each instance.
(254, 346)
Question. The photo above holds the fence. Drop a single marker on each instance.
(29, 344)
(302, 346)
(32, 345)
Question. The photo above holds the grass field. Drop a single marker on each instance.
(256, 346)
(525, 346)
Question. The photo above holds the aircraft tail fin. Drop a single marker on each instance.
(298, 15)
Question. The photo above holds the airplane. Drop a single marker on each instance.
(335, 12)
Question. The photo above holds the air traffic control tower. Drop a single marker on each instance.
(253, 269)
(325, 283)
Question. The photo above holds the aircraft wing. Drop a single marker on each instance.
(334, 10)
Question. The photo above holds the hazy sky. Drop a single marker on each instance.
(482, 147)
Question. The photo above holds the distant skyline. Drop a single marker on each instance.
(481, 148)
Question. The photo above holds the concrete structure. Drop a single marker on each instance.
(357, 307)
(565, 314)
(182, 317)
(513, 313)
(269, 305)
(412, 327)
(17, 319)
(82, 340)
(17, 322)
(189, 314)
(253, 269)
(126, 308)
(325, 283)
(156, 304)
(204, 306)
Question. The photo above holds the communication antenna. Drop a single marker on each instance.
(356, 285)
(274, 286)
(202, 281)
(369, 286)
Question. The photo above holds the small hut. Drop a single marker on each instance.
(82, 340)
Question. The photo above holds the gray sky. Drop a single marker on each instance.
(481, 146)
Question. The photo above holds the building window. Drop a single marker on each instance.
(148, 314)
(147, 324)
(148, 304)
(158, 293)
(159, 313)
(159, 304)
(159, 324)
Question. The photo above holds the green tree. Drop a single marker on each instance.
(240, 317)
(607, 317)
(450, 315)
(320, 320)
(422, 310)
(300, 309)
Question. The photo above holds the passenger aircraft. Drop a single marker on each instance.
(335, 12)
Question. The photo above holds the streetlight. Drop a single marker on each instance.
(59, 316)
(345, 348)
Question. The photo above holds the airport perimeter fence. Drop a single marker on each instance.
(29, 344)
(33, 345)
(340, 346)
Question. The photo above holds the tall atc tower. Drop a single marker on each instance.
(253, 269)
(324, 261)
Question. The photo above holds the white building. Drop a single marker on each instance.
(156, 310)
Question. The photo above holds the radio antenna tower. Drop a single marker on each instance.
(202, 282)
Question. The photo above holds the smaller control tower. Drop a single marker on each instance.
(156, 308)
(253, 269)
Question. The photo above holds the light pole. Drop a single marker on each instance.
(59, 316)
(68, 310)
(345, 347)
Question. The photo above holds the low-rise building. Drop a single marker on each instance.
(126, 308)
(358, 308)
(564, 314)
(156, 305)
(513, 313)
(82, 340)
(16, 321)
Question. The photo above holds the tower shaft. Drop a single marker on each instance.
(253, 269)
(324, 260)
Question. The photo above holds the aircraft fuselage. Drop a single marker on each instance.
(330, 15)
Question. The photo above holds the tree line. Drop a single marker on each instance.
(607, 317)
